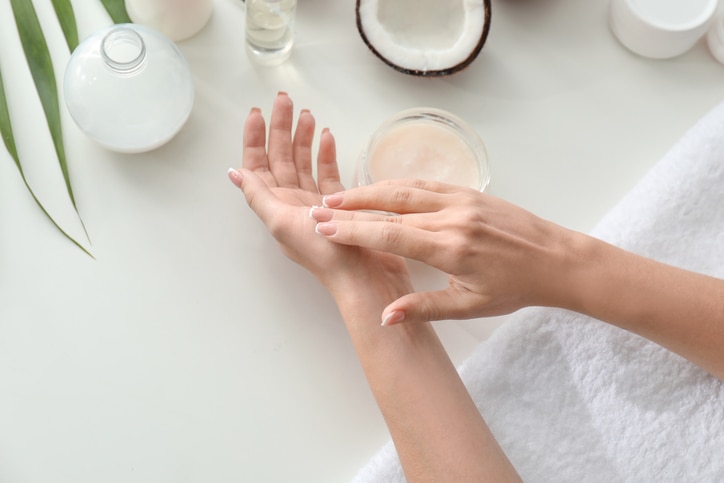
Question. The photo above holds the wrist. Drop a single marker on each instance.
(595, 275)
(571, 270)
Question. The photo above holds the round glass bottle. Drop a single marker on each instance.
(129, 88)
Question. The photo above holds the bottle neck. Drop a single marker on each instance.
(123, 50)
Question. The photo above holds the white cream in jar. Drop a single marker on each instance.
(428, 144)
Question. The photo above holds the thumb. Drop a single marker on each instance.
(450, 303)
(258, 195)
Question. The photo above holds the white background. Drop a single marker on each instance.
(191, 350)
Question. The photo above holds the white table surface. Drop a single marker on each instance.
(191, 350)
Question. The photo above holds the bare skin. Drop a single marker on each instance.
(501, 258)
(437, 430)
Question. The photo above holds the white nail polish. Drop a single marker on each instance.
(311, 210)
(394, 317)
(387, 319)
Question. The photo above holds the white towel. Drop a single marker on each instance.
(572, 399)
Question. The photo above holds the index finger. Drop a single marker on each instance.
(394, 196)
(390, 235)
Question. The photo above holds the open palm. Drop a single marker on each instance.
(280, 187)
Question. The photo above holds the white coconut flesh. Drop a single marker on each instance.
(424, 35)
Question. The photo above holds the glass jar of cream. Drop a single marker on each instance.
(425, 143)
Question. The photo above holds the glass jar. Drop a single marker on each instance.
(425, 143)
(129, 88)
(270, 30)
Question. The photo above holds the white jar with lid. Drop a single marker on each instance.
(660, 29)
(176, 19)
(715, 38)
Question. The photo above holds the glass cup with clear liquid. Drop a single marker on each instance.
(270, 30)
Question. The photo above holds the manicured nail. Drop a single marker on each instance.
(394, 317)
(326, 229)
(321, 214)
(332, 201)
(235, 177)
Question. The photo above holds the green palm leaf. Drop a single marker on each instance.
(66, 17)
(6, 131)
(117, 10)
(41, 68)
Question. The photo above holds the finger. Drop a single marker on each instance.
(424, 184)
(450, 303)
(254, 147)
(388, 197)
(302, 151)
(280, 153)
(259, 197)
(327, 167)
(390, 236)
(423, 221)
(321, 214)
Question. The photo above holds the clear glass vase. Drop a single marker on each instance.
(129, 88)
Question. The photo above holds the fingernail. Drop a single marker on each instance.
(325, 130)
(255, 109)
(326, 229)
(332, 201)
(320, 214)
(235, 177)
(305, 111)
(282, 93)
(394, 317)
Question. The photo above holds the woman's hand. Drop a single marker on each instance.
(438, 438)
(499, 257)
(277, 181)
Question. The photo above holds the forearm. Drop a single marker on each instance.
(678, 309)
(437, 430)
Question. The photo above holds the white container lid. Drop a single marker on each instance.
(661, 29)
(715, 39)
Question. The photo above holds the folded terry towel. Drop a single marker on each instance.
(572, 399)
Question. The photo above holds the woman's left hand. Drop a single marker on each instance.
(279, 186)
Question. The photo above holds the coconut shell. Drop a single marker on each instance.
(429, 73)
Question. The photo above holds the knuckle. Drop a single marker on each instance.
(400, 196)
(418, 183)
(393, 219)
(391, 235)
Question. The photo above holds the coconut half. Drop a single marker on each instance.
(424, 37)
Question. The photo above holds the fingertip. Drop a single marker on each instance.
(283, 97)
(393, 318)
(333, 201)
(235, 176)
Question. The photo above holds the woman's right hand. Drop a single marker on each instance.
(499, 257)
